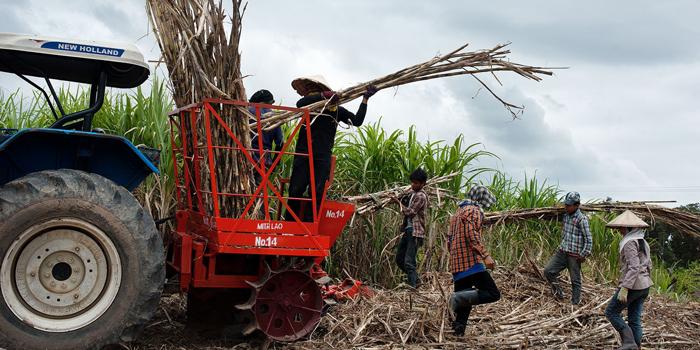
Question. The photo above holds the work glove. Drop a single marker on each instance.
(371, 90)
(622, 295)
(332, 95)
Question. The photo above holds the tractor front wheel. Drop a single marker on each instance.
(82, 262)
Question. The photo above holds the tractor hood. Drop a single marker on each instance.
(72, 60)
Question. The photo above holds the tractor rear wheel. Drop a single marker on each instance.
(82, 262)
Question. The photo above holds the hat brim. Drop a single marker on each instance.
(305, 86)
(627, 219)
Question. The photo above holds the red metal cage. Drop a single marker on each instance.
(214, 251)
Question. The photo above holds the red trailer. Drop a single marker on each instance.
(258, 252)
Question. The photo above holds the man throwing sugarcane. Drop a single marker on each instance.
(323, 129)
(469, 259)
(575, 247)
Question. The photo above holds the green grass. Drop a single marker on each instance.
(370, 159)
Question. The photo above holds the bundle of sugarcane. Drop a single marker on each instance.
(457, 62)
(369, 203)
(683, 221)
(203, 62)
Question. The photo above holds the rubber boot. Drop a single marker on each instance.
(458, 328)
(463, 298)
(628, 342)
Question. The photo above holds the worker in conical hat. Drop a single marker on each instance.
(635, 279)
(323, 128)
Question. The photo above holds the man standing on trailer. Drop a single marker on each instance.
(323, 129)
(268, 137)
(575, 247)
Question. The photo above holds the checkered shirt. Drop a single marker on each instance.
(576, 235)
(415, 211)
(464, 238)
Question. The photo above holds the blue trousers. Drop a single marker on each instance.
(634, 306)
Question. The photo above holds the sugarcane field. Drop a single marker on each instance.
(200, 174)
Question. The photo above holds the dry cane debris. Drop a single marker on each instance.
(527, 316)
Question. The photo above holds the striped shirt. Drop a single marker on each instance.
(464, 238)
(576, 235)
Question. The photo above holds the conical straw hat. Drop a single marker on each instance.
(627, 219)
(304, 85)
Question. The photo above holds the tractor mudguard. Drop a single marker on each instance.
(113, 157)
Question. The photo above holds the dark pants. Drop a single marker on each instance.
(406, 256)
(486, 288)
(559, 262)
(300, 182)
(634, 306)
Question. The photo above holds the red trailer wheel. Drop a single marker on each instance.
(288, 306)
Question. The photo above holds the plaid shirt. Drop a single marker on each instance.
(415, 211)
(576, 235)
(464, 238)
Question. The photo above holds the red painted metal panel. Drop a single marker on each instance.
(334, 217)
(265, 226)
(202, 234)
(278, 241)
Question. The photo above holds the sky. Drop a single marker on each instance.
(620, 121)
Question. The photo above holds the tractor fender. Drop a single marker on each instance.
(111, 156)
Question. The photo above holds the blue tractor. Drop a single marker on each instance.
(82, 261)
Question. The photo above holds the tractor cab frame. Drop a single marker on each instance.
(70, 138)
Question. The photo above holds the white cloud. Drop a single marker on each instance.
(621, 121)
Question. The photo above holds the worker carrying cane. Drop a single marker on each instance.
(323, 129)
(469, 259)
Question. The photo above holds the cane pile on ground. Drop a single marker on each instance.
(526, 317)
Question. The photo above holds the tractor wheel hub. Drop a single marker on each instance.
(62, 274)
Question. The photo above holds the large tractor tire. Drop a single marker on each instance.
(82, 262)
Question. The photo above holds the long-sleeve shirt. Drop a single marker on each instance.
(576, 235)
(464, 238)
(415, 212)
(635, 265)
(268, 138)
(325, 126)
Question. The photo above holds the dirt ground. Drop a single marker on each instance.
(525, 317)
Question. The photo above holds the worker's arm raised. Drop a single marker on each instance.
(309, 99)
